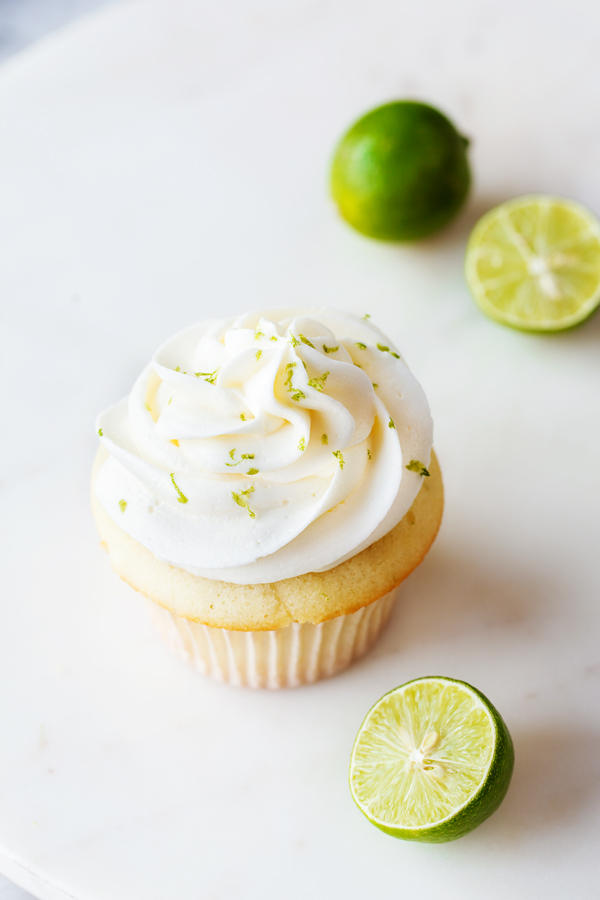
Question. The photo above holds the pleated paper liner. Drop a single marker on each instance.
(286, 657)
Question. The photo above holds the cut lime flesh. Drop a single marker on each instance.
(534, 263)
(431, 761)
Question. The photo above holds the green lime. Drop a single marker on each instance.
(401, 172)
(431, 761)
(534, 263)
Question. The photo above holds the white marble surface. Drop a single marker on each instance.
(167, 159)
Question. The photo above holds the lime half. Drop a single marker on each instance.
(534, 263)
(431, 761)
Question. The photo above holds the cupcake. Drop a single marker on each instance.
(267, 485)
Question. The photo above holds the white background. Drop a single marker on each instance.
(167, 160)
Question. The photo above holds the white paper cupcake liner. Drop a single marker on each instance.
(286, 657)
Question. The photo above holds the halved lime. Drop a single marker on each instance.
(431, 761)
(534, 263)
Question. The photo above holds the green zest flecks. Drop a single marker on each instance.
(324, 439)
(231, 456)
(178, 369)
(258, 354)
(294, 340)
(170, 398)
(369, 453)
(258, 335)
(391, 423)
(367, 316)
(241, 500)
(99, 432)
(339, 457)
(273, 337)
(306, 341)
(375, 385)
(252, 472)
(242, 458)
(181, 498)
(318, 383)
(331, 349)
(360, 345)
(243, 417)
(385, 349)
(296, 393)
(122, 505)
(211, 377)
(418, 467)
(302, 444)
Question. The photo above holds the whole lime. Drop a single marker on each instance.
(401, 172)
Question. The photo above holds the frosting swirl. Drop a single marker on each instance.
(263, 447)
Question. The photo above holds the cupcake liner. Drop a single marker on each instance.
(287, 657)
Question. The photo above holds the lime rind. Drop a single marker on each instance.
(489, 779)
(533, 263)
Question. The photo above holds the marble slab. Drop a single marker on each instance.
(167, 158)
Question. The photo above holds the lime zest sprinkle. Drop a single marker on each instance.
(258, 335)
(99, 432)
(302, 444)
(170, 398)
(324, 439)
(367, 316)
(385, 349)
(181, 498)
(318, 383)
(247, 455)
(252, 472)
(231, 453)
(258, 354)
(122, 505)
(339, 457)
(243, 417)
(296, 393)
(375, 385)
(415, 466)
(360, 345)
(306, 341)
(241, 500)
(331, 349)
(273, 337)
(369, 453)
(178, 369)
(211, 377)
(294, 340)
(391, 423)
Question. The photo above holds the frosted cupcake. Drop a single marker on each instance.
(267, 485)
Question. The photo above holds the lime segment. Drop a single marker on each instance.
(431, 761)
(534, 263)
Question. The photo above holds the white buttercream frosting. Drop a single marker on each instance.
(262, 447)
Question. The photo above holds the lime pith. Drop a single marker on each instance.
(431, 761)
(533, 263)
